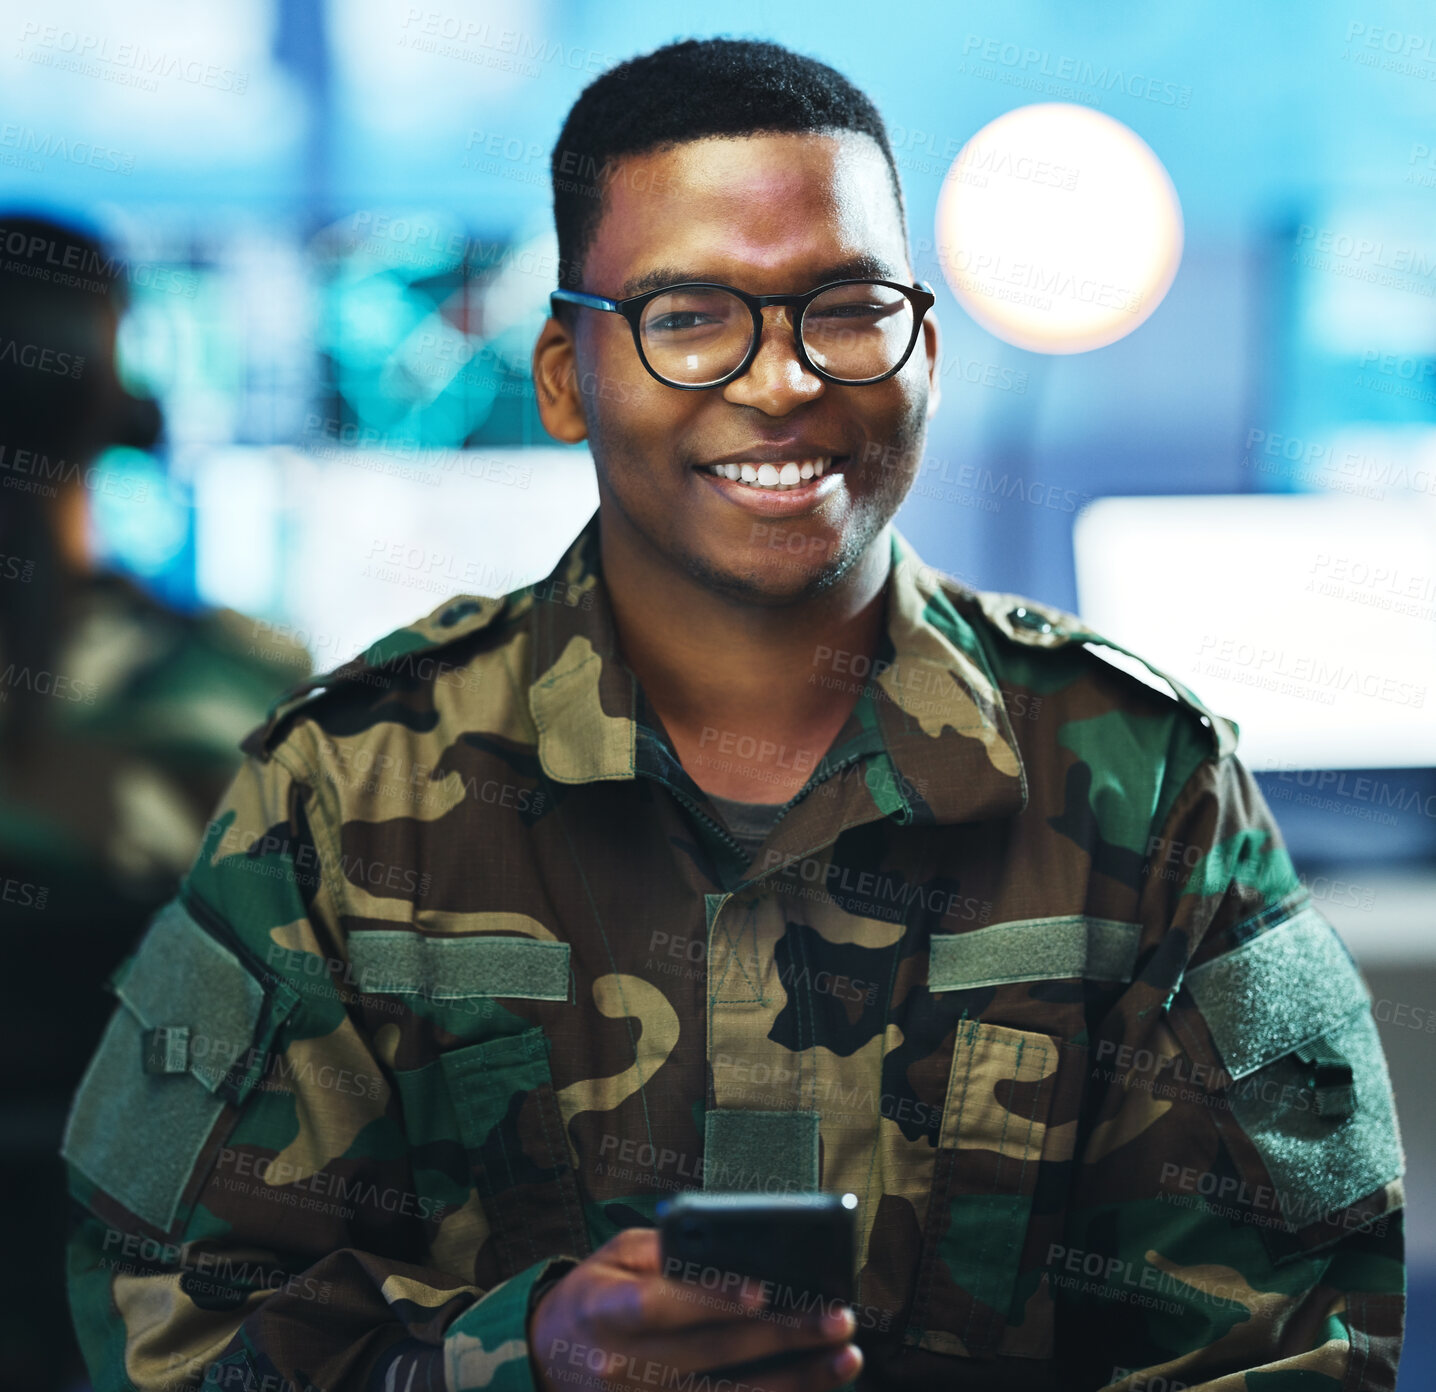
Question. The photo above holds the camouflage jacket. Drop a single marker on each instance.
(468, 976)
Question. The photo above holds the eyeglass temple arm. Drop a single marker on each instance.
(579, 297)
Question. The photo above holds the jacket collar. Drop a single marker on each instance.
(930, 715)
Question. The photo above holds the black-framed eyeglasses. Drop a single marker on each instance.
(700, 334)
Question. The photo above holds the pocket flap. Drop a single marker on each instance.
(1325, 1145)
(192, 1031)
(420, 964)
(201, 1009)
(1285, 988)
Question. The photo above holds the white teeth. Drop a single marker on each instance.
(778, 477)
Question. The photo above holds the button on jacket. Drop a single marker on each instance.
(469, 975)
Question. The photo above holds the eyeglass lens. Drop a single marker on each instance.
(855, 332)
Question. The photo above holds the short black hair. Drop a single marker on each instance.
(691, 90)
(62, 294)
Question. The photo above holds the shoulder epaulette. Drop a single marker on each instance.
(451, 621)
(1038, 625)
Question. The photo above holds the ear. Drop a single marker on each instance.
(932, 343)
(555, 373)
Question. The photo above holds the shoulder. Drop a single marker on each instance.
(1029, 641)
(444, 646)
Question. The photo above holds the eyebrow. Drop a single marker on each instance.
(863, 266)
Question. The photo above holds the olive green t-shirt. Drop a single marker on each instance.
(749, 822)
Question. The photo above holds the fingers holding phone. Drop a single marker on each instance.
(616, 1321)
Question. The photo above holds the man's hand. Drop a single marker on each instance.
(616, 1322)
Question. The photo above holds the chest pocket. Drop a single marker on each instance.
(1007, 1136)
(491, 1159)
(509, 1123)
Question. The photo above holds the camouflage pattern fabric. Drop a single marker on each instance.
(469, 975)
(140, 735)
(119, 729)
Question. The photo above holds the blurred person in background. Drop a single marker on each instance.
(120, 720)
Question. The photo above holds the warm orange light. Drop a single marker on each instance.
(1058, 229)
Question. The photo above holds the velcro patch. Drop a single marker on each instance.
(420, 964)
(770, 1151)
(1034, 949)
(1286, 987)
(1324, 1150)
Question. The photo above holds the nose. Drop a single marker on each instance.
(776, 381)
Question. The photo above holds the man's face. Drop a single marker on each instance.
(769, 214)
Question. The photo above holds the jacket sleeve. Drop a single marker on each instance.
(246, 1211)
(1237, 1205)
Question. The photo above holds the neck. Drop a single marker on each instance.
(729, 676)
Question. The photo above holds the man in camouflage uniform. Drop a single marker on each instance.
(474, 970)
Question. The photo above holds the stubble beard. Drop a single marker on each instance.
(754, 588)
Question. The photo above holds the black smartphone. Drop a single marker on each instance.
(799, 1246)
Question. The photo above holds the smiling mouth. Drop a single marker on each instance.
(777, 477)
